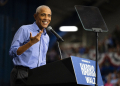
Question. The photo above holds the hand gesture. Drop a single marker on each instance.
(36, 38)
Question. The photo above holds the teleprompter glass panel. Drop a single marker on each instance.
(91, 18)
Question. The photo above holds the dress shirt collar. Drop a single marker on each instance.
(37, 28)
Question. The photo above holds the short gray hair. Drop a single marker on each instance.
(38, 8)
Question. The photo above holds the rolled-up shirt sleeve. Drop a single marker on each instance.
(18, 41)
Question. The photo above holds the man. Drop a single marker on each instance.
(29, 46)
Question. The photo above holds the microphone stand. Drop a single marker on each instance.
(58, 38)
(59, 49)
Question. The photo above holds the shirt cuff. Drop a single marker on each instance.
(15, 52)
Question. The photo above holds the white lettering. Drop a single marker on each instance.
(90, 80)
(85, 61)
(87, 69)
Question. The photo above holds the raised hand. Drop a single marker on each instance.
(36, 38)
(32, 41)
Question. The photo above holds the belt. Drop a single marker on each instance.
(21, 67)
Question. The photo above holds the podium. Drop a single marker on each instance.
(70, 71)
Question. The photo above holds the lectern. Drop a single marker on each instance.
(72, 71)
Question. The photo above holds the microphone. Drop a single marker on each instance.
(52, 31)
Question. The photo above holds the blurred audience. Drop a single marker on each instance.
(108, 83)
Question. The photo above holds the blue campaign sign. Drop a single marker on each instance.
(85, 71)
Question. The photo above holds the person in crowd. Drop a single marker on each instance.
(108, 83)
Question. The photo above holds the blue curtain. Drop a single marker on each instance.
(5, 60)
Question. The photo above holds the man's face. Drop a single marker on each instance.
(43, 18)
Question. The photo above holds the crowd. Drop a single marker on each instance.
(112, 78)
(109, 44)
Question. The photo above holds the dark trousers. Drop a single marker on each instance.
(19, 75)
